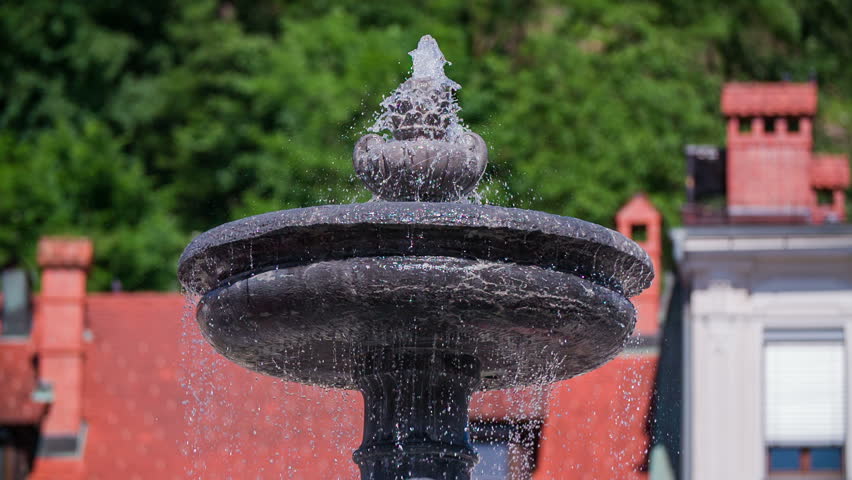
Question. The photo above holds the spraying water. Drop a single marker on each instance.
(424, 106)
(428, 155)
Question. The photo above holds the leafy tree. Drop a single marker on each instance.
(72, 180)
(143, 123)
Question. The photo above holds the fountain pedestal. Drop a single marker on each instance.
(415, 415)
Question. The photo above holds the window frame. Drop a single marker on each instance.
(805, 457)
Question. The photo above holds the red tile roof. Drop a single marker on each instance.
(517, 404)
(777, 98)
(17, 382)
(160, 403)
(57, 468)
(596, 426)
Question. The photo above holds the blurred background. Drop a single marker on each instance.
(140, 123)
(127, 128)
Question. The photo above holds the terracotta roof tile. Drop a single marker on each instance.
(154, 389)
(596, 426)
(160, 403)
(17, 381)
(517, 404)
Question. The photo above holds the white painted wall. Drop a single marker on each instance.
(735, 296)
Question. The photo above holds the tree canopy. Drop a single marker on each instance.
(141, 124)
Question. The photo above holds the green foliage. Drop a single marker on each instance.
(142, 123)
(70, 180)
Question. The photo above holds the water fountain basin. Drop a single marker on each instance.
(303, 294)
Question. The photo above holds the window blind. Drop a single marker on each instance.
(805, 393)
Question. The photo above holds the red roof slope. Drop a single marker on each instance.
(160, 403)
(596, 424)
(18, 380)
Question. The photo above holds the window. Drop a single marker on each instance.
(769, 124)
(745, 124)
(805, 403)
(639, 233)
(827, 458)
(493, 461)
(806, 459)
(793, 124)
(784, 459)
(17, 451)
(506, 450)
(825, 196)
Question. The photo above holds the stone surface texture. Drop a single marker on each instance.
(302, 294)
(421, 170)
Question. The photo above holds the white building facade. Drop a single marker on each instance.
(767, 351)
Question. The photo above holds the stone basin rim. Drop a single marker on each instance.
(559, 325)
(197, 265)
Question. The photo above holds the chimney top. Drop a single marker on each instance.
(65, 252)
(638, 208)
(770, 98)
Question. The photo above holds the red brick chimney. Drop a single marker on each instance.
(642, 222)
(769, 150)
(829, 177)
(773, 175)
(59, 339)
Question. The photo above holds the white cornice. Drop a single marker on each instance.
(834, 239)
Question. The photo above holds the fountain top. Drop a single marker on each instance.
(428, 62)
(430, 155)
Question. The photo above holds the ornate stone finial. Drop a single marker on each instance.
(430, 156)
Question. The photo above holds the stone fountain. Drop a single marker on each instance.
(418, 298)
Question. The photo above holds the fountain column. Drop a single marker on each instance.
(416, 415)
